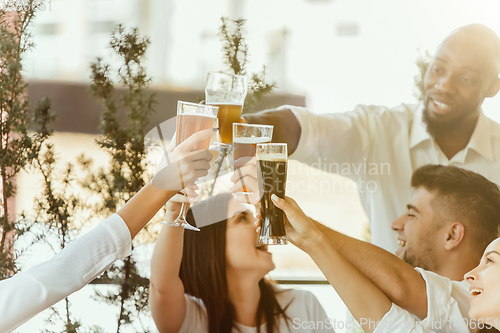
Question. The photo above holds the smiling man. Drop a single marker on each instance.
(447, 128)
(451, 218)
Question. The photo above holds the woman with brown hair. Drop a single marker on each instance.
(214, 280)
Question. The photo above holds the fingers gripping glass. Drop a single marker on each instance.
(192, 118)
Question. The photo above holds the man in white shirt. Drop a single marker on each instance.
(383, 146)
(451, 218)
(28, 293)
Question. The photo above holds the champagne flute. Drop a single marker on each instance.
(192, 118)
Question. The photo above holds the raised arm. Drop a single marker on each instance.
(286, 127)
(398, 280)
(30, 292)
(166, 294)
(362, 297)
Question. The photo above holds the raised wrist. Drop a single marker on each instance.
(315, 242)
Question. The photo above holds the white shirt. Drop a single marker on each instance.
(28, 293)
(447, 309)
(398, 320)
(379, 148)
(304, 311)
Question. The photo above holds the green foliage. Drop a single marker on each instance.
(20, 147)
(422, 62)
(235, 50)
(126, 173)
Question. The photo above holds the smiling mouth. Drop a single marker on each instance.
(475, 292)
(441, 106)
(401, 243)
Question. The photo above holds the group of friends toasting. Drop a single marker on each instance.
(438, 209)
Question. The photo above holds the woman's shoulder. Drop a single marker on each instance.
(288, 296)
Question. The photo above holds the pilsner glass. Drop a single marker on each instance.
(245, 140)
(192, 118)
(227, 92)
(272, 162)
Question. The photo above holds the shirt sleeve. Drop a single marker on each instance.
(356, 136)
(442, 308)
(317, 314)
(397, 320)
(30, 292)
(196, 316)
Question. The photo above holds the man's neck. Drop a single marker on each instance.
(454, 139)
(456, 266)
(244, 294)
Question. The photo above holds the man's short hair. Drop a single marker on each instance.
(463, 196)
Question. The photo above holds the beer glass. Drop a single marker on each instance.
(272, 165)
(192, 118)
(227, 92)
(245, 140)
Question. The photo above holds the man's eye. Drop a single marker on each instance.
(488, 261)
(410, 215)
(437, 70)
(467, 80)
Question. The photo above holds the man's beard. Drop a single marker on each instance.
(437, 127)
(426, 259)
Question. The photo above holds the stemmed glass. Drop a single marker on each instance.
(192, 118)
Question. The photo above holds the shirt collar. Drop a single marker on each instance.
(480, 140)
(419, 132)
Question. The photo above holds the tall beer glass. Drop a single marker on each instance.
(227, 92)
(245, 140)
(272, 162)
(192, 118)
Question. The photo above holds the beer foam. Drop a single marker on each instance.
(224, 103)
(190, 114)
(251, 140)
(271, 157)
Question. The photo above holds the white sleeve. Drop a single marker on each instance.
(318, 315)
(28, 293)
(348, 137)
(397, 320)
(442, 307)
(196, 319)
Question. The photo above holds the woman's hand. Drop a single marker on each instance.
(181, 167)
(300, 229)
(186, 196)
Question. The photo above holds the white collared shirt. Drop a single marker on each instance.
(447, 309)
(380, 147)
(30, 292)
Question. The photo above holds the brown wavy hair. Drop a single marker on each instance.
(203, 273)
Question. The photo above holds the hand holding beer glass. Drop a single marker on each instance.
(192, 118)
(228, 93)
(272, 165)
(245, 140)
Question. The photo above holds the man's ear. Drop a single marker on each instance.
(494, 87)
(454, 236)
